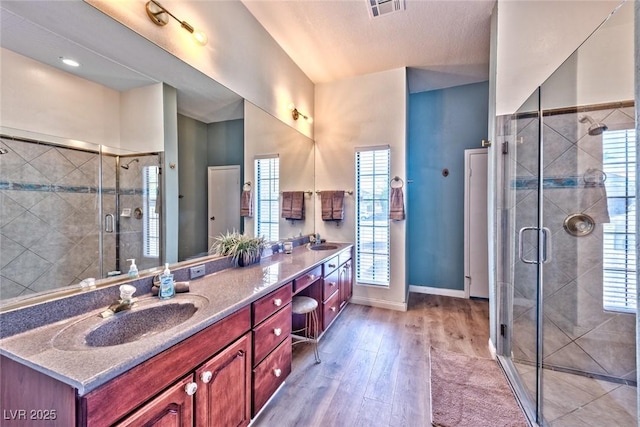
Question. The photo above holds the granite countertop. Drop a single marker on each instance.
(86, 368)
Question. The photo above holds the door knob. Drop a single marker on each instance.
(191, 388)
(277, 332)
(277, 372)
(206, 376)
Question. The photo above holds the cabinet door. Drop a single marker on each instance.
(224, 387)
(173, 407)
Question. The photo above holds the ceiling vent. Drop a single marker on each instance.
(384, 7)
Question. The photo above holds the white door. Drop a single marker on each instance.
(224, 200)
(476, 259)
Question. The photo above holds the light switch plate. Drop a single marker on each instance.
(197, 271)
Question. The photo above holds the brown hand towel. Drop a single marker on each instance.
(297, 205)
(287, 200)
(338, 206)
(326, 202)
(396, 209)
(246, 204)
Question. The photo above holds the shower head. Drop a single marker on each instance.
(595, 128)
(126, 166)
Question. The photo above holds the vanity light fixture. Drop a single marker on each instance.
(69, 62)
(158, 15)
(297, 114)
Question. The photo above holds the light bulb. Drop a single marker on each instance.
(291, 106)
(200, 37)
(69, 62)
(310, 119)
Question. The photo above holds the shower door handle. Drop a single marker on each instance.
(521, 245)
(546, 243)
(109, 220)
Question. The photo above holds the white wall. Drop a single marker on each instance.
(534, 38)
(47, 101)
(240, 54)
(362, 111)
(141, 119)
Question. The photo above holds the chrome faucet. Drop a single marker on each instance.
(126, 301)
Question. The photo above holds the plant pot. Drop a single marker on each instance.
(245, 261)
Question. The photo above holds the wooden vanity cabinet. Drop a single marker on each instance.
(271, 331)
(337, 286)
(155, 389)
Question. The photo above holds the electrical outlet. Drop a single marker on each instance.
(195, 272)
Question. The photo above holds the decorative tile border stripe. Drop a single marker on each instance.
(78, 189)
(531, 183)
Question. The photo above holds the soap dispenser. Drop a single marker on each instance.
(133, 269)
(167, 288)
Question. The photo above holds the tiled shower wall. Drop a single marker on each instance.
(49, 219)
(578, 334)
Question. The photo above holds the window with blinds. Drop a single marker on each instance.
(619, 254)
(151, 224)
(267, 198)
(372, 216)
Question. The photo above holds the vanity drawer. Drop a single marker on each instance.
(269, 374)
(331, 265)
(330, 308)
(270, 333)
(331, 284)
(307, 278)
(269, 304)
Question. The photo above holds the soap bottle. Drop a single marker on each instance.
(133, 269)
(167, 289)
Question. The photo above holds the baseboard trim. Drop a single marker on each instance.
(437, 291)
(372, 302)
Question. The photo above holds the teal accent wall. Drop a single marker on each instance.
(192, 171)
(442, 124)
(201, 145)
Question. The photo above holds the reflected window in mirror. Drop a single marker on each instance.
(267, 176)
(151, 212)
(619, 254)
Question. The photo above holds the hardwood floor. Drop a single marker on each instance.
(375, 365)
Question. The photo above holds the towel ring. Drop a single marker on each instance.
(245, 185)
(396, 179)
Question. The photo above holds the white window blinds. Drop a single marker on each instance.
(267, 197)
(151, 224)
(372, 216)
(619, 254)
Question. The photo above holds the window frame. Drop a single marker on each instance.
(619, 284)
(271, 217)
(373, 221)
(150, 231)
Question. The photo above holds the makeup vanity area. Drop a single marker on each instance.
(220, 366)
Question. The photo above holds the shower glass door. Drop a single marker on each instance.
(571, 192)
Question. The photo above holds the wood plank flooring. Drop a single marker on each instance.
(375, 365)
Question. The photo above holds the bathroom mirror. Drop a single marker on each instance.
(119, 133)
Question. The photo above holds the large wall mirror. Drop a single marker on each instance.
(110, 161)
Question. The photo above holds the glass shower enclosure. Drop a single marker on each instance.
(569, 177)
(73, 210)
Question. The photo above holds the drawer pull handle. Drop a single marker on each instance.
(332, 283)
(277, 332)
(333, 309)
(191, 388)
(206, 376)
(277, 372)
(312, 277)
(332, 266)
(277, 302)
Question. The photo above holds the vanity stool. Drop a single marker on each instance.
(307, 306)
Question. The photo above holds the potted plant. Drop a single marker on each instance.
(244, 250)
